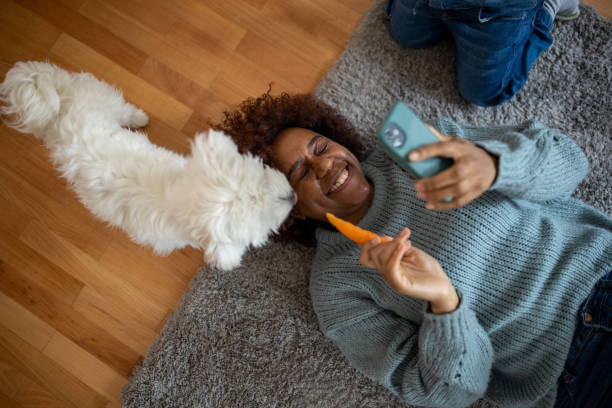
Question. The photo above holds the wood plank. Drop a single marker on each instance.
(24, 324)
(10, 378)
(18, 44)
(74, 224)
(241, 13)
(210, 110)
(114, 404)
(33, 395)
(244, 78)
(91, 371)
(161, 286)
(318, 22)
(157, 15)
(53, 279)
(218, 36)
(171, 82)
(359, 6)
(279, 62)
(183, 56)
(88, 32)
(70, 4)
(199, 123)
(129, 299)
(14, 219)
(8, 402)
(76, 56)
(66, 320)
(110, 317)
(26, 155)
(180, 266)
(224, 30)
(42, 370)
(163, 135)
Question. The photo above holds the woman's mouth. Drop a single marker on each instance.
(341, 180)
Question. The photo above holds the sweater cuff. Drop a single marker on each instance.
(511, 179)
(455, 349)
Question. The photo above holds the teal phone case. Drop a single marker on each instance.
(401, 133)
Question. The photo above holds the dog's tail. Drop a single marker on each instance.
(30, 96)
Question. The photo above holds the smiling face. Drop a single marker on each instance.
(325, 175)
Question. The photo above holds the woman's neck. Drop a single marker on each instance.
(358, 215)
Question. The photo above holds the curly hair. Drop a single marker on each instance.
(256, 122)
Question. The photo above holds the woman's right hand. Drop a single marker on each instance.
(411, 271)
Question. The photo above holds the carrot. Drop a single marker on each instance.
(353, 232)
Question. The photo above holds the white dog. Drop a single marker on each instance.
(216, 199)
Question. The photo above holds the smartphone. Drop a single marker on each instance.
(401, 133)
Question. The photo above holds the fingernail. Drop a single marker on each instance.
(429, 206)
(414, 156)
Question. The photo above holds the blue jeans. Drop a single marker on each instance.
(496, 45)
(586, 380)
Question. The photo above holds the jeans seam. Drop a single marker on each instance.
(607, 398)
(515, 49)
(388, 8)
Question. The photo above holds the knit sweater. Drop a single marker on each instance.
(523, 257)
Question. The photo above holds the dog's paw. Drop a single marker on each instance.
(138, 119)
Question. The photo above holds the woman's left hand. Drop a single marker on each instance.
(473, 172)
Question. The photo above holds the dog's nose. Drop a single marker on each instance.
(293, 197)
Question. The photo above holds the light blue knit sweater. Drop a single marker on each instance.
(523, 257)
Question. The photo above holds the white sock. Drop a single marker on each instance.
(561, 7)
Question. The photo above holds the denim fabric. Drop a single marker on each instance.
(496, 46)
(508, 5)
(586, 380)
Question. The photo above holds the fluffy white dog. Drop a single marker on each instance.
(215, 199)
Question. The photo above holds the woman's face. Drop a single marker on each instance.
(325, 175)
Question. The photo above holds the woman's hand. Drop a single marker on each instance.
(411, 271)
(473, 172)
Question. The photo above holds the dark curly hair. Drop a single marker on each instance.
(256, 122)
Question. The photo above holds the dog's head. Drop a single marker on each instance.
(230, 201)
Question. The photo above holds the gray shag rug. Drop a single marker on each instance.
(249, 337)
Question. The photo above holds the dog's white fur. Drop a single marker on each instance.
(215, 199)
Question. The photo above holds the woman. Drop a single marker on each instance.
(483, 299)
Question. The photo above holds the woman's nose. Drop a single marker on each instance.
(322, 166)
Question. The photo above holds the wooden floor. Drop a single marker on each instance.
(79, 303)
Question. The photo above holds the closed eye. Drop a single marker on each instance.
(319, 150)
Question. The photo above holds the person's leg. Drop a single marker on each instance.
(496, 48)
(413, 23)
(586, 380)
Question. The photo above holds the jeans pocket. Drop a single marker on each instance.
(486, 14)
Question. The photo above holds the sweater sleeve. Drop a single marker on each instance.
(445, 361)
(535, 163)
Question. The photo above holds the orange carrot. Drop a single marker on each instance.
(353, 232)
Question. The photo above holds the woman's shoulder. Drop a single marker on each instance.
(333, 258)
(338, 272)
